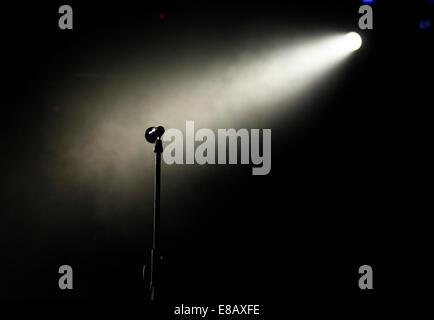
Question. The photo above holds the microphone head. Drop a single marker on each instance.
(153, 133)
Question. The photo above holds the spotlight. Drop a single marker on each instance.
(353, 41)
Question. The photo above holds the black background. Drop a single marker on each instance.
(345, 191)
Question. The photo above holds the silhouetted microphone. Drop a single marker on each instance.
(153, 133)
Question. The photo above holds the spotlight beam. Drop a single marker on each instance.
(251, 82)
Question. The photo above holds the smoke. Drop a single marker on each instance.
(100, 149)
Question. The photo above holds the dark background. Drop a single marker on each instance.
(345, 189)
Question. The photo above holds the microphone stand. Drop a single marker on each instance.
(155, 255)
(153, 135)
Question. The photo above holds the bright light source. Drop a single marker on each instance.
(353, 41)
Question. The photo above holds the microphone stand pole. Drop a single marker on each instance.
(155, 255)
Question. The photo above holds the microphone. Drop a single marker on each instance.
(153, 133)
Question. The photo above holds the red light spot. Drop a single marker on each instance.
(162, 16)
(57, 109)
